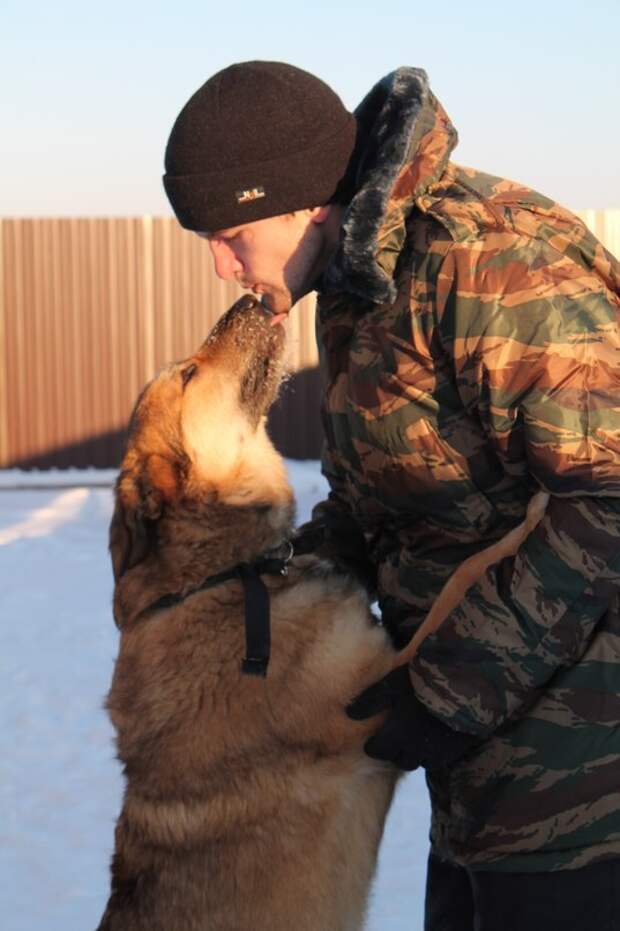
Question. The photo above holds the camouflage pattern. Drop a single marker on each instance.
(491, 370)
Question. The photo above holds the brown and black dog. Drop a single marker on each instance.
(249, 804)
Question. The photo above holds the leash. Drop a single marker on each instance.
(256, 603)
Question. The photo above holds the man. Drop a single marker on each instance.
(470, 351)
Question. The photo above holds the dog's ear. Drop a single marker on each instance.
(141, 493)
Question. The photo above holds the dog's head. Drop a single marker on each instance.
(197, 434)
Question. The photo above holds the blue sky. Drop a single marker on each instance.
(90, 90)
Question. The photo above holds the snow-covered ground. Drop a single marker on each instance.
(60, 785)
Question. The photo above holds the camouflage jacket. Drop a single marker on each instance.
(470, 349)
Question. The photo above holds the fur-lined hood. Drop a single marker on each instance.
(404, 142)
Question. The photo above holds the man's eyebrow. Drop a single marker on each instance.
(225, 234)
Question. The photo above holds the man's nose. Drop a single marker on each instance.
(226, 262)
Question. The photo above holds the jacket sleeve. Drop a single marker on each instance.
(535, 340)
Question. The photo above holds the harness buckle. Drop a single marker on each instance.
(286, 559)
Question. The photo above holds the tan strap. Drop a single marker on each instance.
(468, 574)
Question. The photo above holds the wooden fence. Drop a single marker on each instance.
(91, 308)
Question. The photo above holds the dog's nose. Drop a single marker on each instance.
(274, 318)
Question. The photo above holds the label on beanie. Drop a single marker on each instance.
(252, 194)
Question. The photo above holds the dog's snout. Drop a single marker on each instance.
(238, 318)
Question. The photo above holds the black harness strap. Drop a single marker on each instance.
(257, 622)
(256, 601)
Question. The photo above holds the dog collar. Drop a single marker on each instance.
(256, 603)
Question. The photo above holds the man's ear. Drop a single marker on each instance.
(141, 493)
(320, 214)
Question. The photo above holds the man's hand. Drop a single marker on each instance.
(411, 736)
(346, 551)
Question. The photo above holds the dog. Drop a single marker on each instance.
(249, 801)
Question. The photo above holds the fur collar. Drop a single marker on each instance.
(393, 164)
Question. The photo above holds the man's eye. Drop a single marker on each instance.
(188, 373)
(227, 239)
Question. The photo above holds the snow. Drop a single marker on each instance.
(60, 784)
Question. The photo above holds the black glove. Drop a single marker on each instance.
(411, 736)
(346, 550)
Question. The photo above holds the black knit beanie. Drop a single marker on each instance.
(260, 138)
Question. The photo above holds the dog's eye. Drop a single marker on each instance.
(188, 373)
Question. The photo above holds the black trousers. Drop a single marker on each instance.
(586, 899)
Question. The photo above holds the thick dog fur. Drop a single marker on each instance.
(249, 802)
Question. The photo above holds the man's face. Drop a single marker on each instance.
(278, 258)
